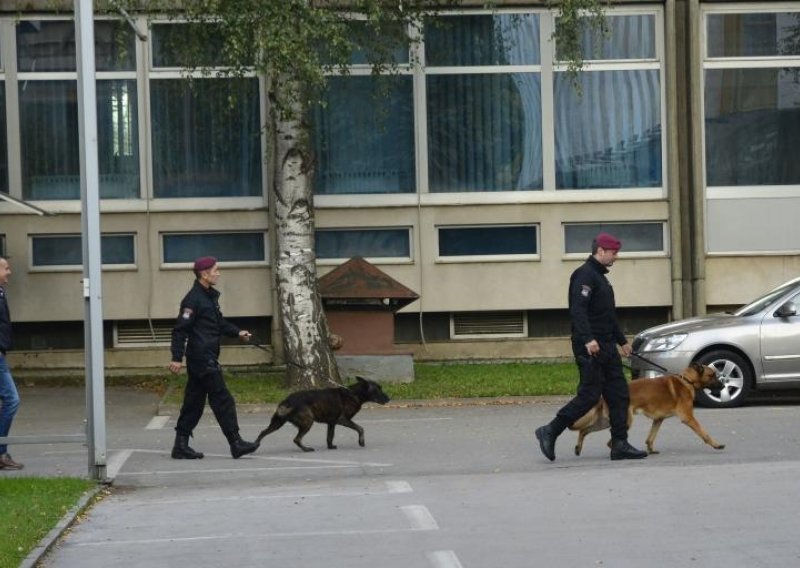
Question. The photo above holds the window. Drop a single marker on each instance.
(608, 134)
(364, 136)
(484, 109)
(755, 34)
(492, 109)
(341, 244)
(206, 133)
(246, 246)
(509, 242)
(635, 237)
(752, 107)
(48, 99)
(363, 130)
(49, 251)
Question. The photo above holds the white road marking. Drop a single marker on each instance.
(399, 487)
(172, 540)
(116, 461)
(297, 495)
(443, 559)
(157, 423)
(420, 518)
(242, 470)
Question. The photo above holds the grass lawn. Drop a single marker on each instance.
(31, 507)
(432, 381)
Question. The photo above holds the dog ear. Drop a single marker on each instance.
(698, 367)
(361, 379)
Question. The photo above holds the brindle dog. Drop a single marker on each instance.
(658, 398)
(330, 406)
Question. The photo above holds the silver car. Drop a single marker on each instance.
(755, 347)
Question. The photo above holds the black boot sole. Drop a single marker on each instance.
(182, 456)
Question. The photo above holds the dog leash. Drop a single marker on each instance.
(256, 342)
(651, 363)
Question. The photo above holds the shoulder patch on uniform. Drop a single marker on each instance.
(187, 313)
(586, 290)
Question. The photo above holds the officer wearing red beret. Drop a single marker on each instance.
(595, 337)
(197, 332)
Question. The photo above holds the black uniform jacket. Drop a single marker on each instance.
(5, 323)
(200, 321)
(592, 308)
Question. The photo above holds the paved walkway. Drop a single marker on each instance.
(459, 486)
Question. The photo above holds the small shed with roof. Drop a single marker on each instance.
(360, 301)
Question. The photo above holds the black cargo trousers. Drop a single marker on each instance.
(205, 381)
(600, 375)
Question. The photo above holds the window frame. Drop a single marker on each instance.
(740, 62)
(665, 252)
(152, 73)
(163, 265)
(371, 259)
(79, 267)
(546, 69)
(467, 259)
(135, 75)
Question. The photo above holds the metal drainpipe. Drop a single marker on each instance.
(697, 183)
(673, 170)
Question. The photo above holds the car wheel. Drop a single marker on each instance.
(734, 373)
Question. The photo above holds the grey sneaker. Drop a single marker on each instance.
(7, 463)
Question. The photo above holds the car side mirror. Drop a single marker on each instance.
(786, 310)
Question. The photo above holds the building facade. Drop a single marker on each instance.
(476, 178)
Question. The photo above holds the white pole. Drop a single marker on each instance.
(90, 227)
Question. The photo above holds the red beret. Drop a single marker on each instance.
(204, 263)
(608, 242)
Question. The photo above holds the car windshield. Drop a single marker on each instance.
(759, 304)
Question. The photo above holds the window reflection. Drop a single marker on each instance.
(499, 39)
(611, 135)
(364, 136)
(484, 132)
(752, 121)
(754, 35)
(206, 138)
(369, 243)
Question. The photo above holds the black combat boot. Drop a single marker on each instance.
(547, 441)
(182, 451)
(239, 447)
(622, 450)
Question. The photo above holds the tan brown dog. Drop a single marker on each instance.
(657, 398)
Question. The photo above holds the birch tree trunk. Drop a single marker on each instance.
(309, 359)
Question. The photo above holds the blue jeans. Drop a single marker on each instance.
(9, 401)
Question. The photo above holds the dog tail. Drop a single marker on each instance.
(278, 420)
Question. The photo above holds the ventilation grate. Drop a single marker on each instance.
(488, 324)
(139, 333)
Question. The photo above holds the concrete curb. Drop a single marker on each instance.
(43, 547)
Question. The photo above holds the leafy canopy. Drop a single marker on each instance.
(309, 39)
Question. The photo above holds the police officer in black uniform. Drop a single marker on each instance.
(197, 332)
(595, 337)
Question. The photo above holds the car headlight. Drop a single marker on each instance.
(665, 343)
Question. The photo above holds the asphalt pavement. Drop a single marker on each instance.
(461, 485)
